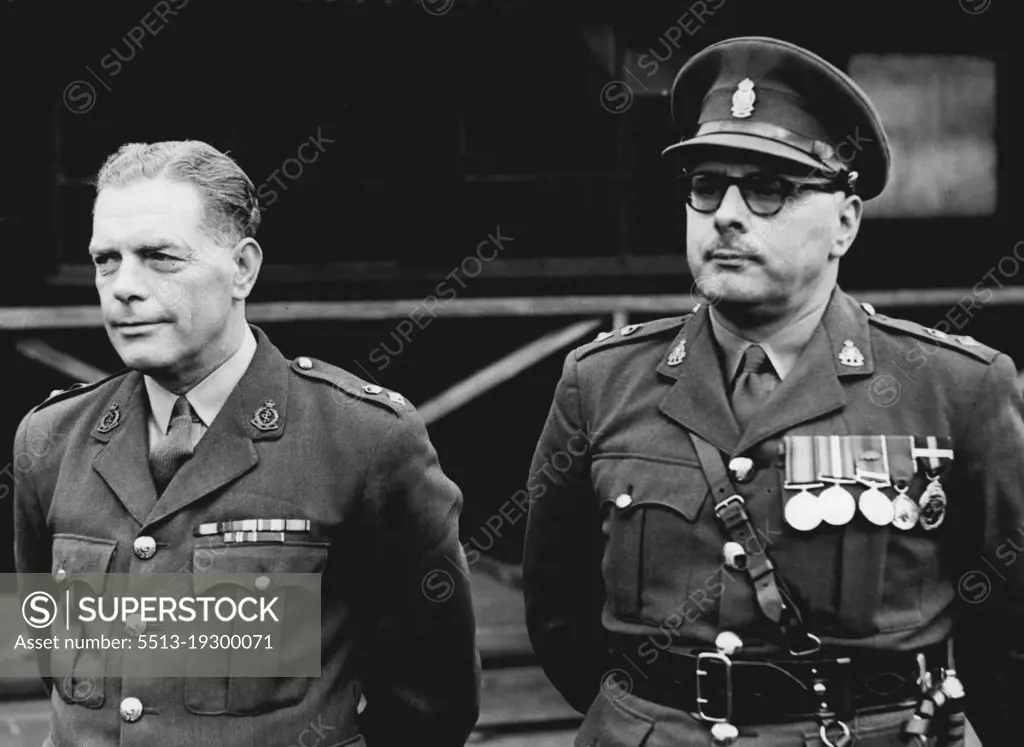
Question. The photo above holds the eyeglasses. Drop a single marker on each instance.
(764, 194)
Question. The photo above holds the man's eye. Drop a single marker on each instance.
(705, 185)
(765, 187)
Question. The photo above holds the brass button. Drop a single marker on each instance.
(262, 583)
(61, 574)
(629, 329)
(131, 710)
(741, 468)
(735, 556)
(728, 642)
(372, 389)
(135, 625)
(624, 500)
(304, 363)
(724, 733)
(144, 547)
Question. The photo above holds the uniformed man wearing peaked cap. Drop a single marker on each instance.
(212, 453)
(780, 529)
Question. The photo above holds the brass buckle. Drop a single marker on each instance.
(721, 506)
(842, 740)
(726, 662)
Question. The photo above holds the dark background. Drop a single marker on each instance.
(443, 127)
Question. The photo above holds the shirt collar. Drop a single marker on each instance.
(209, 395)
(783, 348)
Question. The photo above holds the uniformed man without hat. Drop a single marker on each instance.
(213, 453)
(767, 538)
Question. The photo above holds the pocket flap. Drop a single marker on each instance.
(678, 487)
(216, 565)
(85, 559)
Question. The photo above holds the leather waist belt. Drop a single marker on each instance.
(744, 691)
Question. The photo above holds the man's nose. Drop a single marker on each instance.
(732, 211)
(130, 282)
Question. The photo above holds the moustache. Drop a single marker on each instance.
(731, 251)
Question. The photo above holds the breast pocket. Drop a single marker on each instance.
(80, 566)
(254, 570)
(660, 539)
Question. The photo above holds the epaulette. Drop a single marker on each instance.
(76, 389)
(631, 333)
(350, 384)
(964, 344)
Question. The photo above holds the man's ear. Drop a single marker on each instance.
(248, 258)
(849, 213)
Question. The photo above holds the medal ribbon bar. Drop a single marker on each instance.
(934, 459)
(802, 511)
(871, 459)
(901, 459)
(835, 459)
(902, 468)
(872, 470)
(800, 463)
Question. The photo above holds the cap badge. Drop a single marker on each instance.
(266, 416)
(743, 99)
(850, 355)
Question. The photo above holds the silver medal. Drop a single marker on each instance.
(837, 505)
(803, 511)
(876, 506)
(905, 512)
(933, 506)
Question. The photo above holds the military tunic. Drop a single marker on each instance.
(353, 460)
(622, 543)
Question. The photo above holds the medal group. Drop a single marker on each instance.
(873, 462)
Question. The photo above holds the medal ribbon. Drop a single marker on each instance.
(901, 460)
(800, 469)
(871, 459)
(934, 458)
(835, 458)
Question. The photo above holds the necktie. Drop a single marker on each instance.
(171, 452)
(754, 383)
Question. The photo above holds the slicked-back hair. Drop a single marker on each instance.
(230, 207)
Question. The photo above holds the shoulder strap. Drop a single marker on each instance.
(773, 597)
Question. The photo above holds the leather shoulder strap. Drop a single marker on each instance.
(773, 597)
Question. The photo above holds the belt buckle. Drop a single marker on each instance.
(728, 503)
(726, 662)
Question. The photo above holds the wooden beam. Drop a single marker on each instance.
(49, 356)
(502, 370)
(642, 265)
(69, 317)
